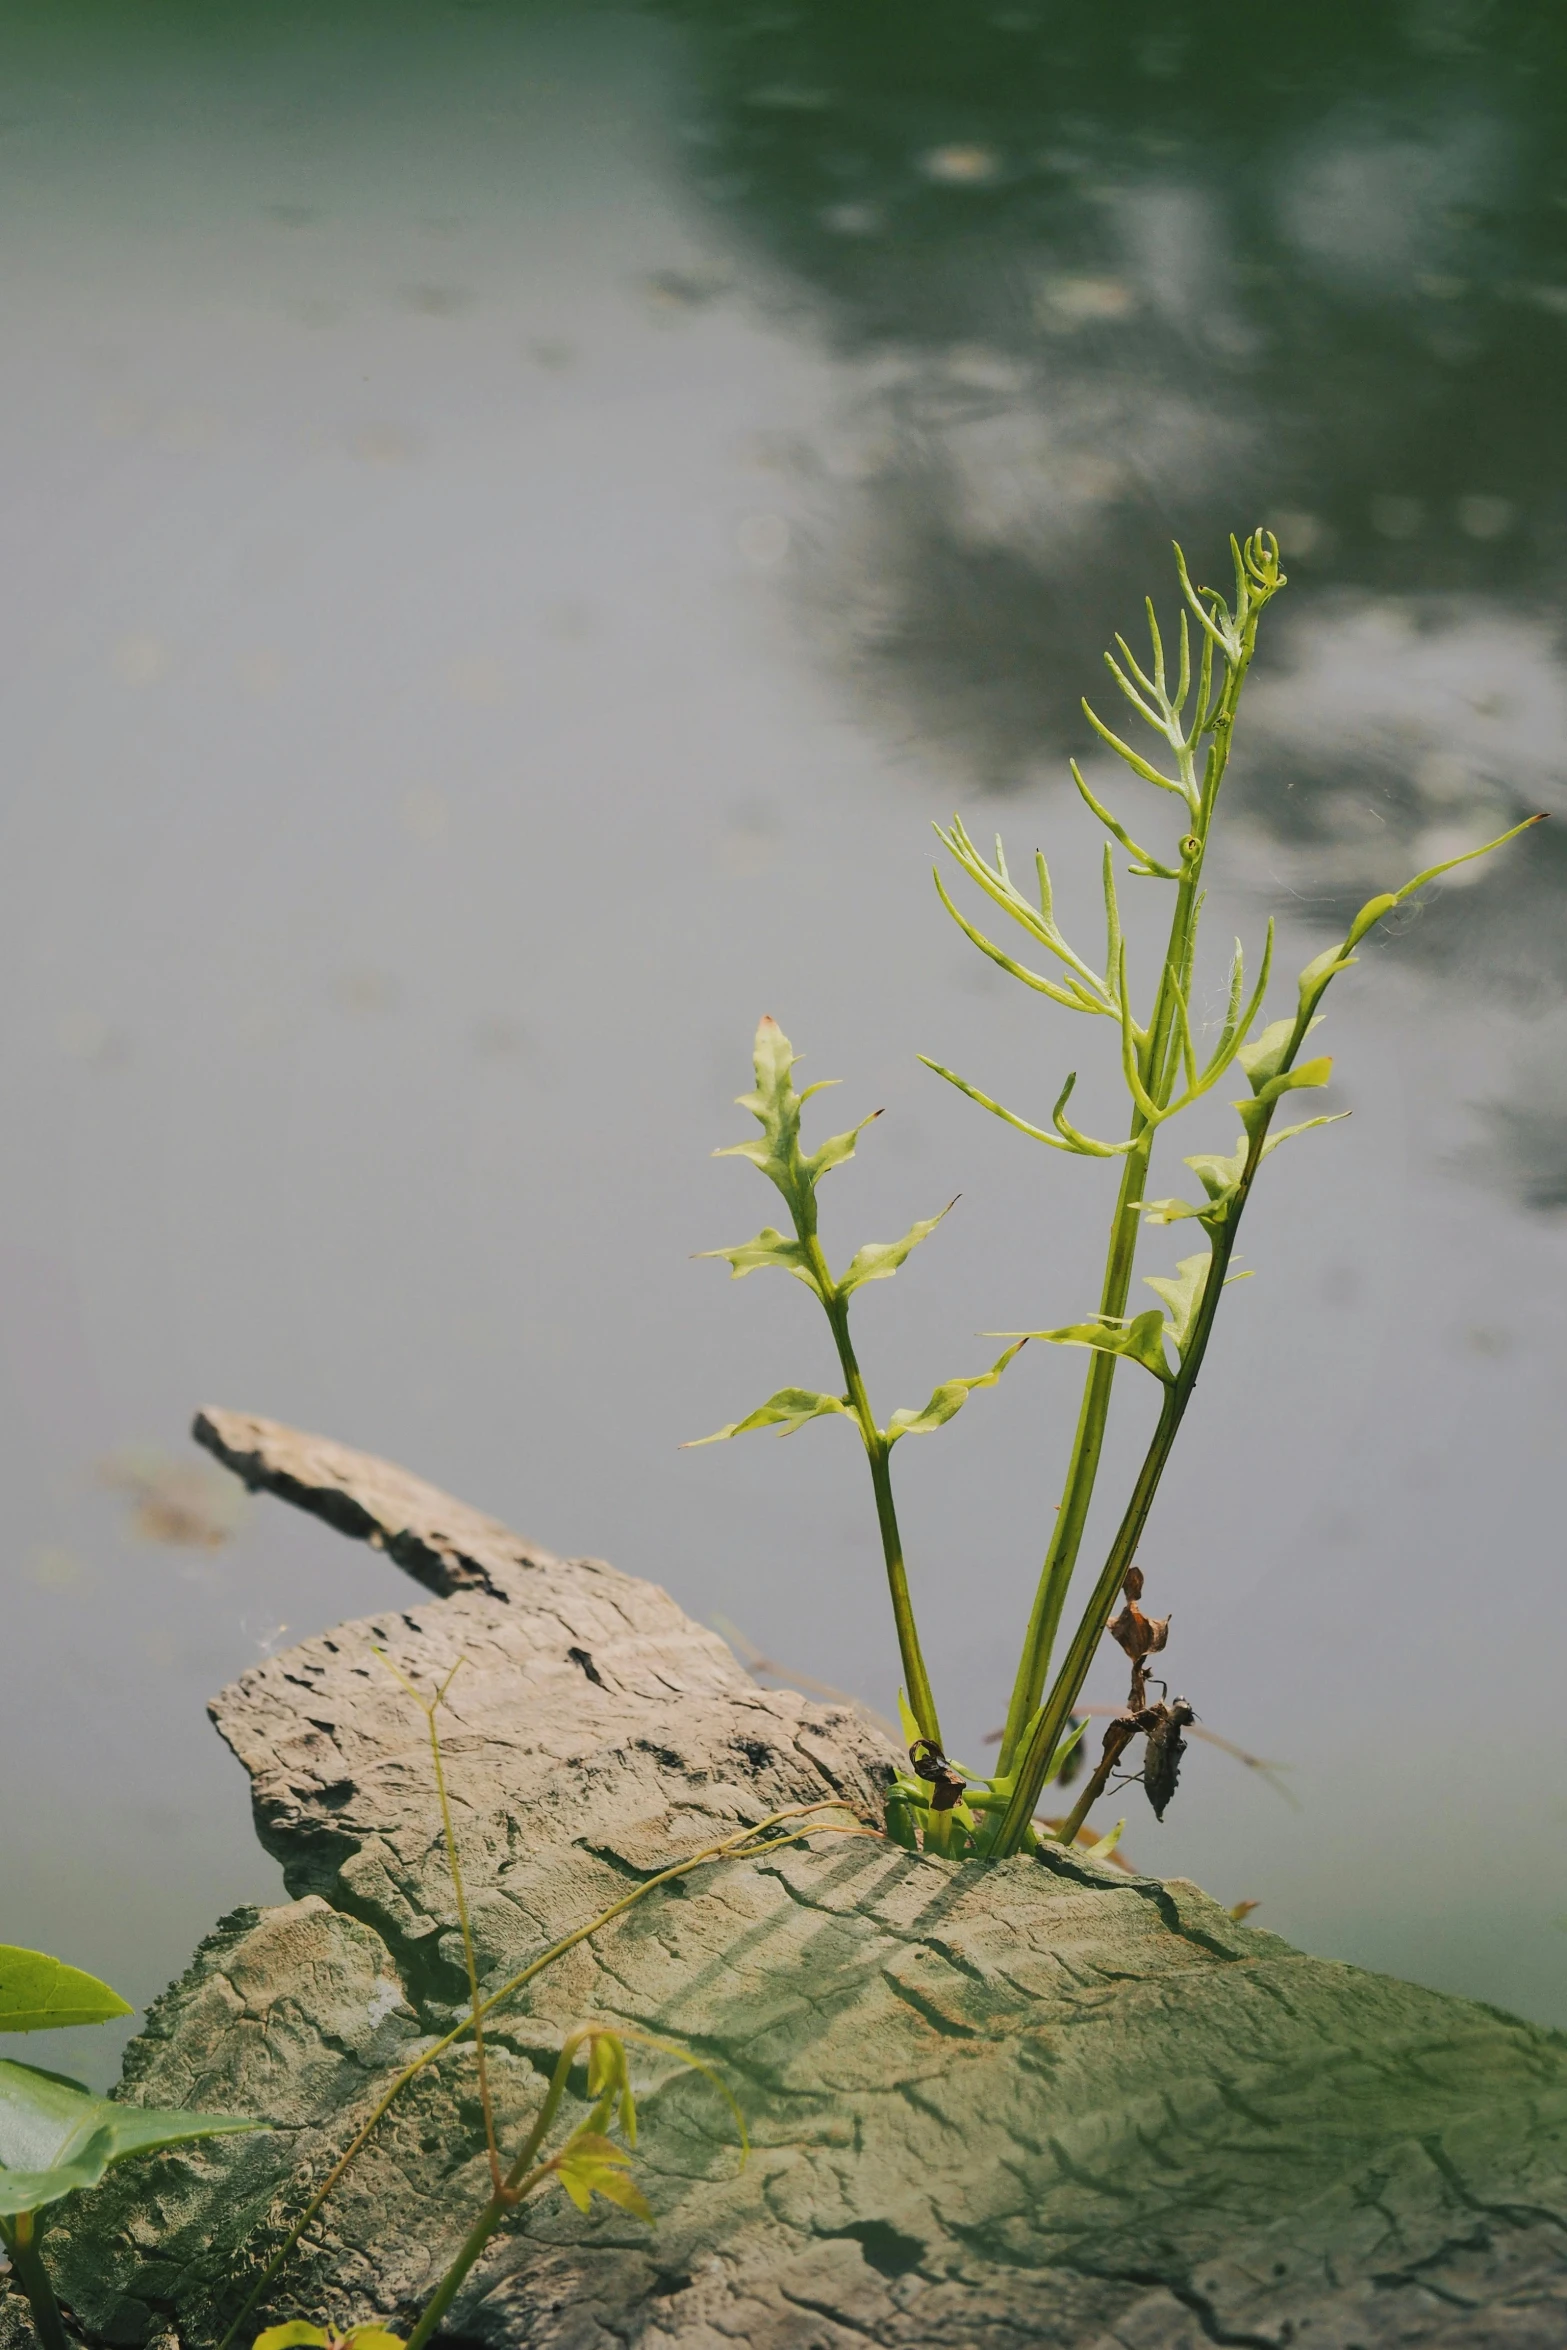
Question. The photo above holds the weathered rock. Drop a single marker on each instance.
(1037, 2102)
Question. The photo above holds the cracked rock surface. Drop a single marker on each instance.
(1036, 2102)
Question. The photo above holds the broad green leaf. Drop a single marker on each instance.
(55, 2136)
(1141, 1340)
(297, 2334)
(1182, 1294)
(879, 1259)
(591, 2165)
(768, 1248)
(786, 1411)
(41, 1994)
(1261, 1058)
(948, 1400)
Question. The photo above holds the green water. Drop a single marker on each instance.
(514, 520)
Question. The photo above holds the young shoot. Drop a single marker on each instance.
(796, 1173)
(1194, 724)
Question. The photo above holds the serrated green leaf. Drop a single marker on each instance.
(1261, 1058)
(56, 2137)
(591, 2165)
(1172, 1211)
(1309, 1075)
(769, 1248)
(776, 1107)
(948, 1400)
(838, 1147)
(880, 1259)
(1219, 1175)
(1182, 1294)
(786, 1411)
(43, 1994)
(1306, 1074)
(1336, 1118)
(1141, 1340)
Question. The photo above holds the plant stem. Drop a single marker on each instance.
(737, 1846)
(454, 1869)
(1035, 1763)
(1088, 1443)
(1082, 1469)
(20, 2236)
(525, 2174)
(1118, 1737)
(922, 1700)
(1159, 1067)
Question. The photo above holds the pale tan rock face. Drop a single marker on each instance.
(1034, 2102)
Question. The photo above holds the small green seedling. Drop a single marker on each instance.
(796, 1173)
(1165, 1074)
(588, 2161)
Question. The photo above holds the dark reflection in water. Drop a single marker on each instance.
(1104, 277)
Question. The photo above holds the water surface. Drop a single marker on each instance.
(515, 521)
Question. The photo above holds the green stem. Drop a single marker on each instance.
(1035, 1763)
(916, 1680)
(525, 2174)
(1118, 1738)
(1093, 1416)
(20, 2236)
(1160, 1064)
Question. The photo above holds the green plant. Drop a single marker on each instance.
(770, 1834)
(55, 2136)
(1193, 721)
(587, 2162)
(796, 1174)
